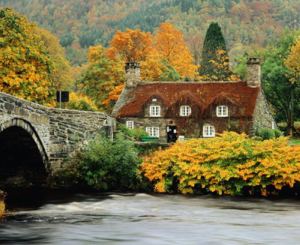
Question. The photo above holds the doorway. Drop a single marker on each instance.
(171, 133)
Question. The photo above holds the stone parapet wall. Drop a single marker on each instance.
(70, 129)
(57, 132)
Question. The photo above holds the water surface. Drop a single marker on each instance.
(155, 219)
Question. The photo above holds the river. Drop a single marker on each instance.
(154, 219)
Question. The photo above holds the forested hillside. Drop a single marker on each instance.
(82, 23)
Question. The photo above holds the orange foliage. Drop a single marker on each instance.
(153, 53)
(113, 96)
(131, 45)
(170, 44)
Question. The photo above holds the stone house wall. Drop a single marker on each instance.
(192, 126)
(262, 117)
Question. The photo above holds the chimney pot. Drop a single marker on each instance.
(253, 61)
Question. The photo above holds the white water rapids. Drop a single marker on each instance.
(155, 219)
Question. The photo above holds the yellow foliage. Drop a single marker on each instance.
(81, 102)
(61, 73)
(293, 62)
(230, 164)
(2, 208)
(151, 67)
(95, 53)
(100, 76)
(32, 63)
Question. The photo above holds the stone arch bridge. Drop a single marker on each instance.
(35, 140)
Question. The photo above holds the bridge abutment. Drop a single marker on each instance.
(57, 133)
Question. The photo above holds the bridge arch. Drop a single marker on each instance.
(23, 156)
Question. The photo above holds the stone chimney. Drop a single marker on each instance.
(253, 76)
(132, 74)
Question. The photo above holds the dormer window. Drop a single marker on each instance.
(154, 111)
(185, 111)
(222, 111)
(208, 131)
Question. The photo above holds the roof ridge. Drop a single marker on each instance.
(145, 82)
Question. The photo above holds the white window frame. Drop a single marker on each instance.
(130, 124)
(209, 131)
(222, 111)
(273, 125)
(154, 110)
(185, 110)
(153, 131)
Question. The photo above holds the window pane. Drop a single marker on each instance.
(185, 110)
(153, 131)
(222, 111)
(130, 124)
(208, 130)
(155, 111)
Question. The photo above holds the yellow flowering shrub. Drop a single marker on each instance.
(231, 164)
(2, 204)
(2, 208)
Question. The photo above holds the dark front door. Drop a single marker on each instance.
(171, 134)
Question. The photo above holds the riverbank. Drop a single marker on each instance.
(2, 205)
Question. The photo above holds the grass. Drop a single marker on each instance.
(295, 141)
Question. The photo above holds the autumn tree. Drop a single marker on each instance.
(61, 72)
(100, 76)
(292, 63)
(215, 59)
(25, 66)
(152, 67)
(173, 50)
(136, 46)
(113, 96)
(130, 45)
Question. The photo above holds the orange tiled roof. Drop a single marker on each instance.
(201, 94)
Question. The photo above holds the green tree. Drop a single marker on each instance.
(105, 165)
(215, 59)
(169, 73)
(283, 94)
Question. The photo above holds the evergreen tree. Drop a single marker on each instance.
(215, 60)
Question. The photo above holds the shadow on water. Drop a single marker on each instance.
(33, 198)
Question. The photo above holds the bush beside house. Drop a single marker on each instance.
(104, 165)
(231, 164)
